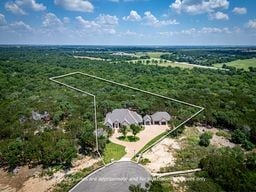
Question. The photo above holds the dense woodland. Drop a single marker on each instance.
(229, 98)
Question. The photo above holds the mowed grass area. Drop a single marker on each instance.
(155, 54)
(113, 151)
(240, 64)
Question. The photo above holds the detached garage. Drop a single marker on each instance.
(158, 118)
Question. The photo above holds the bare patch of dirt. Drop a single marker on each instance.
(29, 180)
(177, 183)
(13, 182)
(218, 141)
(162, 155)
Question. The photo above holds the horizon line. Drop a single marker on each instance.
(123, 45)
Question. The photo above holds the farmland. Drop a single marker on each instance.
(240, 64)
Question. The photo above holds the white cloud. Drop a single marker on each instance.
(103, 19)
(210, 30)
(189, 31)
(66, 20)
(75, 5)
(240, 10)
(115, 1)
(51, 20)
(109, 31)
(14, 8)
(87, 24)
(198, 6)
(251, 24)
(18, 6)
(2, 20)
(151, 20)
(218, 16)
(32, 4)
(20, 26)
(194, 31)
(167, 33)
(101, 24)
(129, 33)
(134, 16)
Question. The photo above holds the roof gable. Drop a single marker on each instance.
(121, 115)
(158, 116)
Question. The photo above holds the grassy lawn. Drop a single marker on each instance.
(113, 151)
(240, 64)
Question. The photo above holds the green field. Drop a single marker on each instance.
(240, 64)
(155, 54)
(113, 151)
(150, 54)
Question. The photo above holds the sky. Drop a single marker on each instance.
(128, 22)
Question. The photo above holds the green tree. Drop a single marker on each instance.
(135, 129)
(14, 153)
(136, 188)
(124, 130)
(227, 168)
(247, 145)
(238, 136)
(206, 185)
(251, 161)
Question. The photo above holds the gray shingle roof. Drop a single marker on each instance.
(121, 115)
(146, 117)
(158, 116)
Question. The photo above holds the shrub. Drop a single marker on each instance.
(238, 136)
(205, 139)
(247, 145)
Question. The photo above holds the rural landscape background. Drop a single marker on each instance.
(198, 51)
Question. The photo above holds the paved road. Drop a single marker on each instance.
(116, 177)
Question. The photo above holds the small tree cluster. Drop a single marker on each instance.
(240, 137)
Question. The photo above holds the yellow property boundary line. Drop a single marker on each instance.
(129, 87)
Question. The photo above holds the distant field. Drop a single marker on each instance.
(155, 54)
(91, 58)
(240, 64)
(163, 64)
(150, 54)
(166, 63)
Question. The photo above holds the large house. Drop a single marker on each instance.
(119, 117)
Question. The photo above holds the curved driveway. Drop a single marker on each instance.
(146, 135)
(116, 177)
